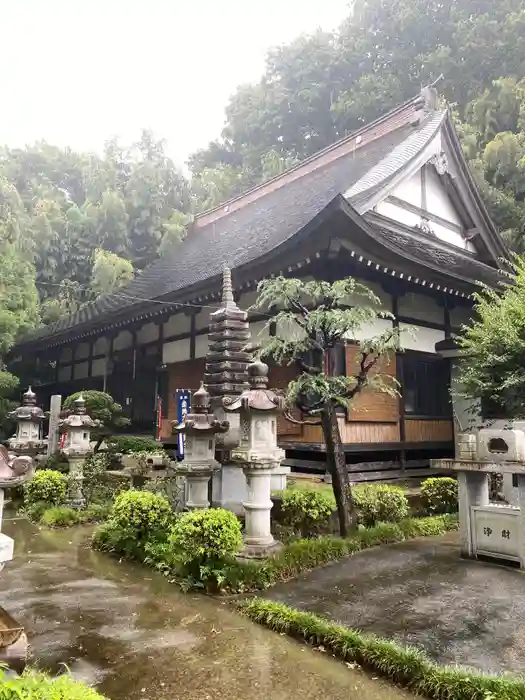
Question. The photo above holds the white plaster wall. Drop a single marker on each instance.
(99, 367)
(371, 330)
(66, 355)
(123, 340)
(176, 351)
(421, 307)
(64, 374)
(410, 189)
(438, 201)
(148, 333)
(82, 351)
(82, 370)
(464, 417)
(414, 337)
(201, 345)
(101, 346)
(177, 324)
(392, 211)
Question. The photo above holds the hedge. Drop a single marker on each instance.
(405, 666)
(294, 558)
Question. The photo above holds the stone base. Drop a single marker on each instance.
(259, 551)
(6, 549)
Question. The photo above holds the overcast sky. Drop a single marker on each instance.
(76, 72)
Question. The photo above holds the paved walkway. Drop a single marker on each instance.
(127, 630)
(421, 592)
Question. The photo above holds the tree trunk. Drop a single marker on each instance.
(336, 461)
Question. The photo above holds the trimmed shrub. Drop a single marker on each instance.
(407, 666)
(142, 512)
(98, 485)
(96, 512)
(440, 495)
(380, 503)
(202, 542)
(38, 686)
(307, 512)
(47, 486)
(127, 444)
(60, 516)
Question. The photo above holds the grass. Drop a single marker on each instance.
(295, 557)
(38, 686)
(405, 666)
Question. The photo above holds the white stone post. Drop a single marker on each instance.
(521, 502)
(258, 538)
(473, 490)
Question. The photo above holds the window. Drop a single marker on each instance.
(426, 386)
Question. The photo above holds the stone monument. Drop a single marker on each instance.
(225, 376)
(29, 418)
(200, 428)
(77, 446)
(257, 453)
(54, 419)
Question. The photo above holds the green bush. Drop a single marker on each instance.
(98, 485)
(115, 539)
(380, 503)
(142, 512)
(48, 486)
(440, 495)
(96, 512)
(60, 516)
(202, 541)
(56, 461)
(306, 511)
(127, 444)
(406, 666)
(38, 686)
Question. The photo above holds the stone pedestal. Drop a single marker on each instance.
(54, 419)
(75, 493)
(197, 486)
(258, 538)
(473, 490)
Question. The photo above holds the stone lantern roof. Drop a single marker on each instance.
(14, 470)
(257, 397)
(79, 417)
(201, 421)
(28, 411)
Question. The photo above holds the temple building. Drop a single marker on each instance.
(392, 204)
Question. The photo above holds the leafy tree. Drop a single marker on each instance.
(493, 370)
(109, 272)
(319, 316)
(99, 406)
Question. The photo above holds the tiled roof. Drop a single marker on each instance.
(242, 236)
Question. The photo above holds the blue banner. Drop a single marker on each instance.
(183, 399)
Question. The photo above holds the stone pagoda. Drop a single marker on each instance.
(200, 428)
(29, 418)
(225, 379)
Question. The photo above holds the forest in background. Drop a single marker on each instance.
(76, 225)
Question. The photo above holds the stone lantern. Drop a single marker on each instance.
(258, 455)
(200, 429)
(14, 471)
(29, 418)
(77, 446)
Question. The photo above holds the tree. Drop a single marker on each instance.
(109, 272)
(99, 406)
(320, 317)
(493, 369)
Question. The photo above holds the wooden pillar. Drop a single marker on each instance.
(400, 379)
(193, 333)
(90, 359)
(73, 355)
